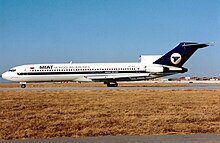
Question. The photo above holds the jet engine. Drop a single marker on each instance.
(154, 69)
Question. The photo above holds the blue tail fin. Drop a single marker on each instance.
(180, 54)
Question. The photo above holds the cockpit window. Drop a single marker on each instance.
(12, 70)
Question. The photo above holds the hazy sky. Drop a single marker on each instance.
(51, 31)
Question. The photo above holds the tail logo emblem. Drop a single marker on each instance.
(175, 58)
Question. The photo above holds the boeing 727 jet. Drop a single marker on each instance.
(149, 67)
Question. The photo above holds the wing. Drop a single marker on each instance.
(118, 77)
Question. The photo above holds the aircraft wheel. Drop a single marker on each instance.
(23, 85)
(116, 85)
(112, 85)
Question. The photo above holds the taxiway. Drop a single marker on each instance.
(190, 86)
(193, 138)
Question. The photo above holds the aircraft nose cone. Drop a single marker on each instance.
(6, 76)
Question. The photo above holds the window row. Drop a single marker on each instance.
(97, 69)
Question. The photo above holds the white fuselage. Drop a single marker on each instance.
(68, 72)
(79, 72)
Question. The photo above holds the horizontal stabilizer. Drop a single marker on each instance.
(198, 45)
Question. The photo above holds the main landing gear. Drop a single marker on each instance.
(114, 84)
(23, 84)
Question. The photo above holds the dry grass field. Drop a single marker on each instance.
(45, 114)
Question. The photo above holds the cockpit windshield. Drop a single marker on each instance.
(12, 70)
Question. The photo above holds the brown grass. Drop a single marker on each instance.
(44, 114)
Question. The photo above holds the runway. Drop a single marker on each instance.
(190, 86)
(193, 138)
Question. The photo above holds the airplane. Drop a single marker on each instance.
(149, 67)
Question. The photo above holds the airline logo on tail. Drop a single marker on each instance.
(180, 54)
(175, 58)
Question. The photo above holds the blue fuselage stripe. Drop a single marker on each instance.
(78, 72)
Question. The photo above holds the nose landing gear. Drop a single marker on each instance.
(23, 84)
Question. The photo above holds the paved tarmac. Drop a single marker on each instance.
(193, 138)
(190, 86)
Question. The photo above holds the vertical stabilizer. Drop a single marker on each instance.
(180, 54)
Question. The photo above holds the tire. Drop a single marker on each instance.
(112, 85)
(23, 85)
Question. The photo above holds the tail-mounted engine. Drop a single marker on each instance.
(158, 69)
